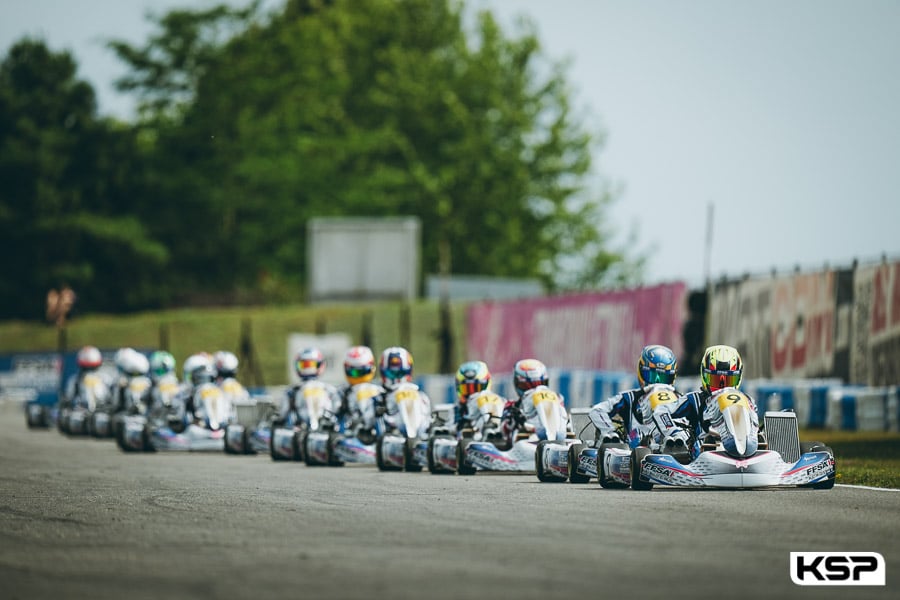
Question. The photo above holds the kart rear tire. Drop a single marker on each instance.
(298, 444)
(433, 466)
(333, 439)
(542, 475)
(308, 459)
(379, 456)
(819, 447)
(246, 443)
(147, 439)
(228, 449)
(604, 481)
(637, 455)
(574, 475)
(275, 455)
(409, 461)
(462, 467)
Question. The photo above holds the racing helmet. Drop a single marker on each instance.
(359, 365)
(396, 366)
(161, 363)
(226, 364)
(657, 365)
(309, 363)
(194, 362)
(529, 373)
(130, 362)
(721, 367)
(205, 373)
(472, 377)
(89, 358)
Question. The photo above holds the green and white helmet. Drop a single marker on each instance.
(161, 363)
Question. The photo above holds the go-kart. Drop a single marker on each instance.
(404, 444)
(91, 401)
(525, 452)
(659, 431)
(287, 437)
(203, 432)
(441, 451)
(738, 455)
(350, 441)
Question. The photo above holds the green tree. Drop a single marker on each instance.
(367, 108)
(67, 179)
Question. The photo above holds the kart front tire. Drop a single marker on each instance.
(637, 455)
(602, 476)
(462, 467)
(409, 462)
(275, 455)
(246, 443)
(333, 460)
(147, 439)
(574, 475)
(819, 447)
(542, 474)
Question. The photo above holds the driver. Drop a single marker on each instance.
(721, 368)
(628, 413)
(473, 379)
(359, 370)
(396, 366)
(309, 364)
(529, 377)
(88, 360)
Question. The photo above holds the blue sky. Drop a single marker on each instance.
(782, 115)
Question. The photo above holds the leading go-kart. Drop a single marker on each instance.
(525, 452)
(403, 446)
(739, 455)
(351, 440)
(202, 432)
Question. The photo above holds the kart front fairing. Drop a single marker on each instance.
(717, 469)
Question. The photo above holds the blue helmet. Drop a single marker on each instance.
(657, 365)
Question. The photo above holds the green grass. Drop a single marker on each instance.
(210, 329)
(862, 457)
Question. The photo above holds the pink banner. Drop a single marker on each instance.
(586, 331)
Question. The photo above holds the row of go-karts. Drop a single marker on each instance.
(743, 454)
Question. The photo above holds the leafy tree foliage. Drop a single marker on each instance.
(251, 123)
(64, 203)
(369, 109)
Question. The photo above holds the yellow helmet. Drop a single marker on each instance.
(721, 367)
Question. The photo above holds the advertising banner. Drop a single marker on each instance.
(603, 330)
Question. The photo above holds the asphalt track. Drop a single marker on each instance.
(80, 519)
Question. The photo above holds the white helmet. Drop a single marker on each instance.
(194, 362)
(226, 364)
(131, 362)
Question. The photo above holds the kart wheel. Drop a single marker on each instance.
(819, 447)
(602, 477)
(120, 442)
(147, 439)
(228, 449)
(409, 459)
(637, 455)
(333, 460)
(246, 444)
(275, 456)
(298, 443)
(308, 457)
(574, 475)
(543, 474)
(462, 467)
(433, 466)
(379, 456)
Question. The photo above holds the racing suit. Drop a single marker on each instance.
(358, 410)
(73, 394)
(474, 412)
(392, 417)
(701, 410)
(529, 420)
(628, 415)
(294, 410)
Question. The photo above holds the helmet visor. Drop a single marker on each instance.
(467, 388)
(652, 376)
(305, 365)
(716, 380)
(357, 371)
